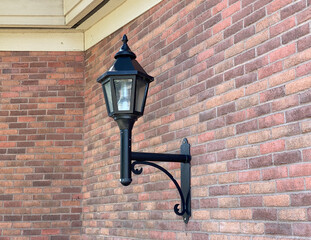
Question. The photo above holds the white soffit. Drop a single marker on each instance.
(43, 29)
(122, 15)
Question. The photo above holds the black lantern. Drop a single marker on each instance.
(125, 86)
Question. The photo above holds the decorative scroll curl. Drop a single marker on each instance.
(179, 212)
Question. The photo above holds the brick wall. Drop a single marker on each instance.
(233, 76)
(41, 145)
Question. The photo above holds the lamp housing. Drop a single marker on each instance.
(125, 86)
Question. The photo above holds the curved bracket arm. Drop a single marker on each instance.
(184, 189)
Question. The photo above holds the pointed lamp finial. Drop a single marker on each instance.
(125, 50)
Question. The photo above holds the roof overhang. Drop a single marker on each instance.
(64, 25)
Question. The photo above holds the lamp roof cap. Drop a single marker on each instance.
(125, 50)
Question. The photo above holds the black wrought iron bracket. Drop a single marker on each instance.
(184, 189)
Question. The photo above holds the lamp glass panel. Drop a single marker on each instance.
(141, 92)
(123, 93)
(107, 90)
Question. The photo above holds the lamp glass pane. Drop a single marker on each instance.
(141, 92)
(123, 93)
(107, 90)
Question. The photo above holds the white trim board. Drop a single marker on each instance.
(109, 20)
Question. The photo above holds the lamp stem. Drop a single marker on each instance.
(125, 173)
(126, 126)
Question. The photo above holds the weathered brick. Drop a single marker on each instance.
(283, 52)
(245, 11)
(262, 161)
(302, 229)
(267, 22)
(298, 114)
(233, 29)
(278, 228)
(258, 110)
(247, 127)
(293, 215)
(286, 185)
(256, 64)
(251, 201)
(282, 26)
(304, 43)
(295, 34)
(273, 93)
(290, 10)
(276, 201)
(276, 5)
(268, 46)
(271, 120)
(254, 17)
(287, 157)
(243, 34)
(265, 214)
(274, 173)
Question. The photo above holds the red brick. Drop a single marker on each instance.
(233, 29)
(208, 136)
(270, 70)
(278, 228)
(295, 33)
(251, 201)
(266, 214)
(275, 146)
(256, 16)
(247, 127)
(268, 46)
(271, 120)
(290, 10)
(245, 11)
(271, 94)
(306, 155)
(303, 69)
(256, 64)
(261, 161)
(237, 165)
(301, 199)
(231, 10)
(245, 33)
(300, 170)
(302, 229)
(287, 157)
(218, 190)
(277, 4)
(258, 110)
(249, 176)
(221, 25)
(277, 200)
(283, 26)
(283, 52)
(298, 114)
(274, 173)
(244, 57)
(286, 185)
(304, 43)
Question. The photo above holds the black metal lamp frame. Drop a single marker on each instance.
(184, 188)
(126, 66)
(130, 159)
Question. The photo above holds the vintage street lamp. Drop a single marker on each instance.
(125, 86)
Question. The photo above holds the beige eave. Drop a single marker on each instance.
(64, 25)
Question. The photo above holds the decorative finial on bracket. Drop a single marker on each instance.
(125, 49)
